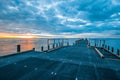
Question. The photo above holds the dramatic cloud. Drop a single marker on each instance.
(79, 18)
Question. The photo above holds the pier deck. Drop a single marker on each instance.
(77, 62)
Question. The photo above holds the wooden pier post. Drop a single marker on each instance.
(56, 45)
(118, 52)
(100, 44)
(108, 48)
(18, 48)
(89, 44)
(104, 42)
(112, 49)
(33, 49)
(48, 41)
(95, 43)
(48, 47)
(67, 42)
(62, 42)
(53, 46)
(42, 48)
(103, 46)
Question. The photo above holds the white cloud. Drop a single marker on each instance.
(61, 16)
(13, 8)
(113, 15)
(115, 2)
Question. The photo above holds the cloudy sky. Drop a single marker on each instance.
(61, 18)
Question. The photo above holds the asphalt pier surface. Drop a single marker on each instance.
(77, 62)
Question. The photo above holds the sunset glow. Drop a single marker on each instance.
(6, 35)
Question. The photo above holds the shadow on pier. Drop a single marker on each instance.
(77, 62)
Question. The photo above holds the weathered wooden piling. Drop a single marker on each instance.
(103, 46)
(53, 46)
(108, 48)
(118, 52)
(112, 49)
(42, 48)
(33, 49)
(56, 45)
(95, 43)
(62, 42)
(104, 42)
(18, 48)
(60, 45)
(100, 44)
(48, 47)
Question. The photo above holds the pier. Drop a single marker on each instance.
(80, 61)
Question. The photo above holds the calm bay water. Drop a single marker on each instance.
(8, 46)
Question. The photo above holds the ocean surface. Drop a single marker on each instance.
(9, 46)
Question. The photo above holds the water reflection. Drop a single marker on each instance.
(27, 44)
(9, 46)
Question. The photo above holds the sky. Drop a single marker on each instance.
(60, 18)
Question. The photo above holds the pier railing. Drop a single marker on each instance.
(52, 44)
(97, 43)
(55, 44)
